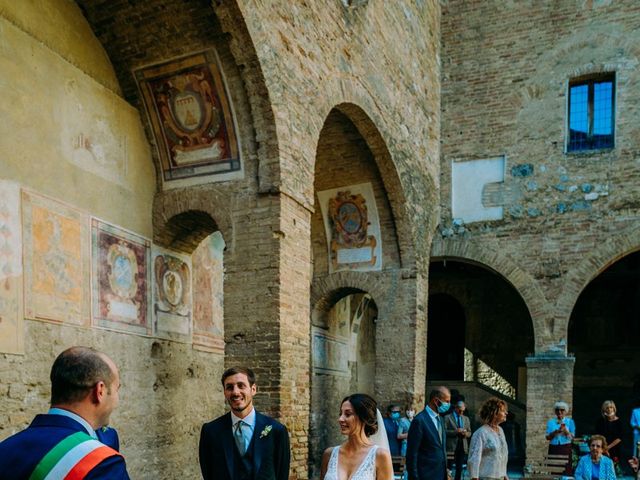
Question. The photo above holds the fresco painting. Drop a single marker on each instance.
(120, 279)
(56, 261)
(11, 315)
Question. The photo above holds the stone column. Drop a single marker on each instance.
(549, 379)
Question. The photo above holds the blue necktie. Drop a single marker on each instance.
(239, 436)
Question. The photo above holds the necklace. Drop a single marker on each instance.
(493, 427)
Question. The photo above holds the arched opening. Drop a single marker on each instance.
(604, 328)
(445, 360)
(195, 234)
(343, 361)
(347, 177)
(186, 230)
(480, 332)
(356, 258)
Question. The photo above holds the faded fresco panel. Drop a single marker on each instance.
(11, 322)
(120, 279)
(330, 353)
(56, 261)
(171, 295)
(208, 310)
(352, 228)
(189, 109)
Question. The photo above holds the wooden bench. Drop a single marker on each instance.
(551, 467)
(399, 466)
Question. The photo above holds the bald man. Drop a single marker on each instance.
(63, 443)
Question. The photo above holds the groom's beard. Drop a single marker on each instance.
(243, 405)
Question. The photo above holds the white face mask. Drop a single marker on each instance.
(410, 414)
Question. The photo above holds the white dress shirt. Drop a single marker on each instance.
(77, 418)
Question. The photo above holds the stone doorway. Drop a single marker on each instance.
(343, 361)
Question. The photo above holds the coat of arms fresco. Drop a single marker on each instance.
(120, 279)
(352, 228)
(172, 295)
(192, 120)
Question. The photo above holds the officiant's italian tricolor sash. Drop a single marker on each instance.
(72, 458)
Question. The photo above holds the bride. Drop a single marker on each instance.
(364, 455)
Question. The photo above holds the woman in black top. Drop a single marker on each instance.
(610, 427)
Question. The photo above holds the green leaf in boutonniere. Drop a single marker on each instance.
(266, 431)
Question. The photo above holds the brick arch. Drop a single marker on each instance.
(326, 291)
(526, 286)
(172, 203)
(605, 254)
(410, 183)
(267, 130)
(388, 172)
(202, 25)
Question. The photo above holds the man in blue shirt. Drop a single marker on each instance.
(63, 443)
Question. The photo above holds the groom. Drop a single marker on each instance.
(243, 444)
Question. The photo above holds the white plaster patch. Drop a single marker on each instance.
(468, 180)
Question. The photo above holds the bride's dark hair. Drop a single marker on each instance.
(365, 408)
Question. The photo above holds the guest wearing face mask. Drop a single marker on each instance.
(426, 444)
(610, 427)
(403, 430)
(391, 424)
(560, 433)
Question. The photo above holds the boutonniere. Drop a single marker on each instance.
(266, 431)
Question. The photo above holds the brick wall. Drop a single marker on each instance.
(567, 216)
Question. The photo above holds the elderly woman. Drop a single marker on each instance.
(610, 427)
(488, 451)
(560, 432)
(596, 465)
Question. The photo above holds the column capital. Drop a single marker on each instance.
(546, 358)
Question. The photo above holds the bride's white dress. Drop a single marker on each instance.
(365, 471)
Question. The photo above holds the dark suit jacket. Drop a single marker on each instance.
(109, 436)
(271, 452)
(20, 453)
(452, 437)
(426, 453)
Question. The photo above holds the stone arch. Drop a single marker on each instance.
(593, 264)
(526, 286)
(205, 206)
